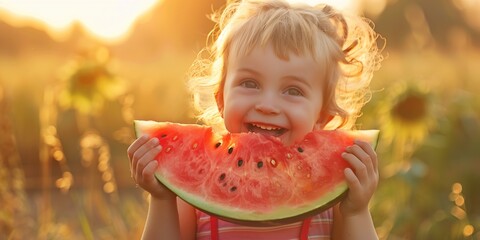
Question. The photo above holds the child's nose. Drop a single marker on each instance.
(267, 105)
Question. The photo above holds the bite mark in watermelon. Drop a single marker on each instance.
(250, 178)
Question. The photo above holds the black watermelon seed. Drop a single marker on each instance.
(259, 164)
(240, 162)
(230, 150)
(300, 149)
(218, 144)
(222, 177)
(233, 189)
(164, 135)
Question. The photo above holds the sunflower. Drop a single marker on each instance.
(406, 114)
(90, 82)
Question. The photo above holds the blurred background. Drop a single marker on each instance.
(74, 74)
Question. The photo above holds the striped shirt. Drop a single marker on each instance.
(320, 228)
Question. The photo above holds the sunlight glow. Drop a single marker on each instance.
(108, 19)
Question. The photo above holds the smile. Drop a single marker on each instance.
(266, 129)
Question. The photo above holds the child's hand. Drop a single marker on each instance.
(362, 179)
(143, 165)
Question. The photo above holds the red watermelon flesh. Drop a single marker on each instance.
(250, 178)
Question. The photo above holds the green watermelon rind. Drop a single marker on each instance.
(281, 214)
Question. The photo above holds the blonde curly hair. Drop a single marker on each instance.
(345, 45)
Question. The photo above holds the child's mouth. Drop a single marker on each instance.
(266, 129)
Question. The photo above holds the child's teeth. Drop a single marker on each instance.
(265, 127)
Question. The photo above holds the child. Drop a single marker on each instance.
(282, 70)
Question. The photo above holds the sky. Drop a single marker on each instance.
(106, 19)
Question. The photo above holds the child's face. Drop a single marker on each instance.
(266, 94)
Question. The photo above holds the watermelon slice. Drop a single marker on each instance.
(250, 178)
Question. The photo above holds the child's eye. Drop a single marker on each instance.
(249, 84)
(294, 92)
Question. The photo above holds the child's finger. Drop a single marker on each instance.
(146, 159)
(135, 145)
(131, 151)
(352, 180)
(150, 144)
(149, 171)
(141, 151)
(370, 151)
(363, 156)
(358, 166)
